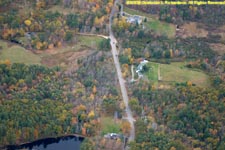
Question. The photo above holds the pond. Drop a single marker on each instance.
(60, 143)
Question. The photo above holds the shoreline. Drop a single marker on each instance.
(5, 147)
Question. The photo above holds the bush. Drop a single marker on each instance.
(223, 57)
(72, 20)
(88, 83)
(167, 54)
(87, 144)
(217, 81)
(69, 36)
(141, 34)
(146, 68)
(145, 20)
(189, 66)
(124, 59)
(104, 45)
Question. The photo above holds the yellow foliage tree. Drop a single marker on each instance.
(21, 31)
(124, 74)
(59, 44)
(131, 60)
(96, 21)
(126, 127)
(198, 148)
(107, 9)
(103, 19)
(74, 120)
(40, 4)
(92, 96)
(171, 53)
(147, 54)
(36, 133)
(27, 22)
(39, 45)
(7, 62)
(121, 23)
(91, 114)
(94, 89)
(189, 83)
(51, 46)
(7, 33)
(129, 51)
(172, 148)
(110, 3)
(83, 116)
(176, 52)
(97, 6)
(18, 133)
(81, 108)
(83, 131)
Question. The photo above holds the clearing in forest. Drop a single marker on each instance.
(152, 23)
(176, 72)
(82, 47)
(17, 54)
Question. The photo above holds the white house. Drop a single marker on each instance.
(134, 19)
(140, 66)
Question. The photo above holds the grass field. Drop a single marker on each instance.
(177, 72)
(159, 27)
(83, 42)
(153, 72)
(17, 54)
(109, 126)
(90, 41)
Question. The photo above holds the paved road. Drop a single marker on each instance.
(113, 42)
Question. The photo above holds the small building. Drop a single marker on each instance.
(140, 66)
(134, 19)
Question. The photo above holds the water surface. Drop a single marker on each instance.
(61, 143)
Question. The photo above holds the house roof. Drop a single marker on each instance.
(134, 19)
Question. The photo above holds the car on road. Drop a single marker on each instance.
(113, 136)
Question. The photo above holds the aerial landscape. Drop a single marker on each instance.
(111, 75)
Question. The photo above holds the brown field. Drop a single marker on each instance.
(219, 48)
(192, 29)
(65, 56)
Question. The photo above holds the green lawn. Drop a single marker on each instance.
(17, 54)
(109, 126)
(153, 72)
(159, 27)
(177, 72)
(90, 41)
